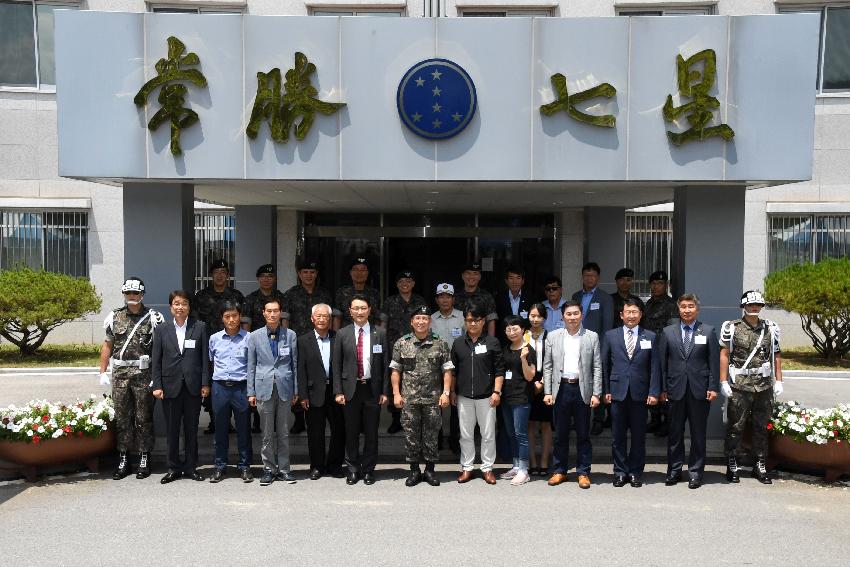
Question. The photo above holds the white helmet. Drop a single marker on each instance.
(752, 297)
(133, 284)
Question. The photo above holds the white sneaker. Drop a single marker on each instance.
(510, 474)
(520, 478)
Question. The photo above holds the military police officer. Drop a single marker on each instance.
(750, 375)
(252, 310)
(660, 308)
(359, 272)
(206, 307)
(128, 345)
(421, 382)
(300, 298)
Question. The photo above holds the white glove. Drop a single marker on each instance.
(104, 379)
(778, 388)
(726, 389)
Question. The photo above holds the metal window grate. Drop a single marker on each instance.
(215, 233)
(649, 246)
(796, 239)
(56, 241)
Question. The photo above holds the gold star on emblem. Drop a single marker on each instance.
(436, 123)
(456, 117)
(416, 117)
(420, 82)
(436, 74)
(437, 107)
(436, 91)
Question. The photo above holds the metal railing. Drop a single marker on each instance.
(649, 246)
(796, 239)
(215, 238)
(56, 241)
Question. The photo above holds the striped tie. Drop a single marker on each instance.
(630, 343)
(360, 353)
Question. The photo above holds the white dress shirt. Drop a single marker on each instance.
(572, 349)
(181, 333)
(324, 351)
(367, 349)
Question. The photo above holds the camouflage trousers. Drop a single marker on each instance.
(741, 407)
(133, 409)
(421, 424)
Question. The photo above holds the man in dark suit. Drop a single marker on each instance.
(181, 378)
(515, 300)
(632, 381)
(597, 308)
(316, 394)
(360, 368)
(690, 361)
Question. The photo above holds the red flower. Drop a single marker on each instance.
(36, 439)
(769, 426)
(835, 433)
(807, 418)
(45, 418)
(67, 429)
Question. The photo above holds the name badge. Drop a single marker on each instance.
(594, 306)
(523, 314)
(646, 345)
(283, 350)
(377, 349)
(456, 332)
(481, 349)
(509, 374)
(189, 343)
(700, 339)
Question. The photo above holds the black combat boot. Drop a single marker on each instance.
(415, 476)
(123, 467)
(732, 469)
(760, 472)
(144, 466)
(430, 476)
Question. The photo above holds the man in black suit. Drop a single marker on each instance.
(316, 394)
(360, 368)
(181, 379)
(690, 370)
(515, 300)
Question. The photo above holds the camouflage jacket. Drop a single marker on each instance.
(299, 304)
(207, 306)
(657, 312)
(343, 302)
(252, 309)
(398, 313)
(119, 325)
(744, 339)
(421, 364)
(462, 297)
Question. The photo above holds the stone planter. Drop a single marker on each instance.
(59, 451)
(833, 458)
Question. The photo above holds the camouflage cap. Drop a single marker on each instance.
(265, 269)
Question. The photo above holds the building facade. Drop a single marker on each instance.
(78, 226)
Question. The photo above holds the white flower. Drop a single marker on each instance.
(29, 433)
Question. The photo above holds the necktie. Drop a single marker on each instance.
(360, 353)
(630, 343)
(686, 343)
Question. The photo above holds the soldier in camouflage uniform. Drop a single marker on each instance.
(300, 298)
(398, 309)
(359, 271)
(252, 309)
(128, 345)
(206, 307)
(624, 279)
(750, 375)
(471, 277)
(421, 381)
(660, 308)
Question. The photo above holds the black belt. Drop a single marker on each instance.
(569, 380)
(363, 381)
(231, 383)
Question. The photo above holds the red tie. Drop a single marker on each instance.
(360, 353)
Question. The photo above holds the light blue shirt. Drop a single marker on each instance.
(515, 301)
(586, 296)
(229, 355)
(554, 317)
(325, 351)
(693, 328)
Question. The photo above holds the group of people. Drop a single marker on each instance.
(555, 365)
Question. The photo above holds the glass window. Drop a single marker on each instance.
(215, 239)
(17, 45)
(54, 241)
(194, 10)
(365, 12)
(649, 246)
(669, 11)
(834, 52)
(797, 239)
(505, 13)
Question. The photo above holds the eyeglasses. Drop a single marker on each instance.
(551, 288)
(475, 321)
(358, 308)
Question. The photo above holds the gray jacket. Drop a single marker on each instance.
(266, 368)
(589, 361)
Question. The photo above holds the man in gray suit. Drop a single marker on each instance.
(273, 388)
(360, 368)
(572, 383)
(690, 371)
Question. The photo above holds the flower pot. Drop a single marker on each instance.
(58, 451)
(832, 457)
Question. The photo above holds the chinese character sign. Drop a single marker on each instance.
(567, 102)
(282, 111)
(172, 95)
(700, 111)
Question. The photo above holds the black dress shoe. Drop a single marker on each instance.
(635, 481)
(414, 478)
(267, 478)
(395, 426)
(217, 476)
(246, 475)
(596, 428)
(170, 476)
(195, 475)
(315, 474)
(673, 478)
(369, 478)
(352, 478)
(619, 481)
(123, 467)
(431, 478)
(695, 482)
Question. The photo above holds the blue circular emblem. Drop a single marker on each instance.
(436, 99)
